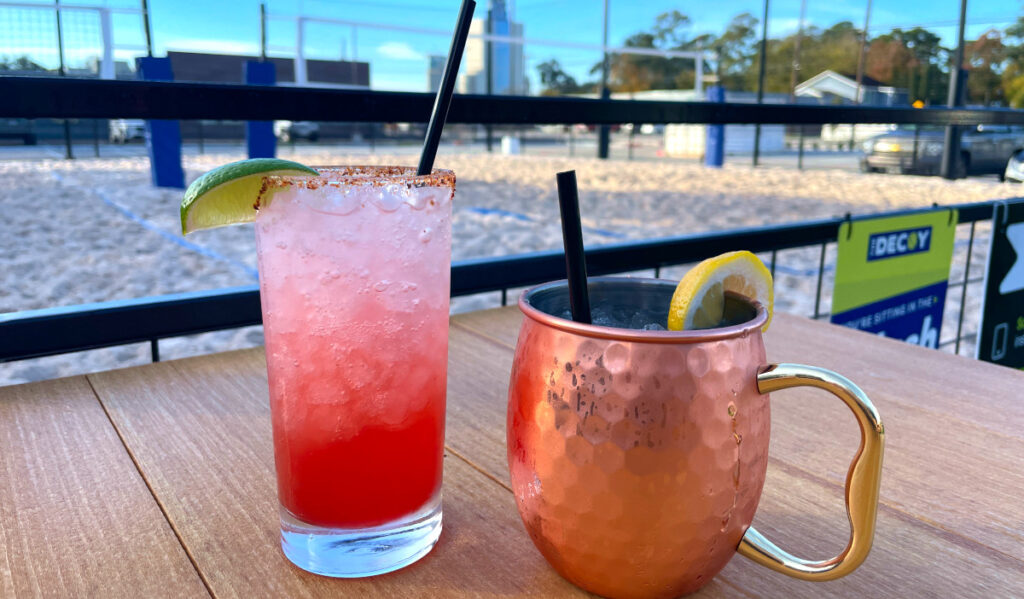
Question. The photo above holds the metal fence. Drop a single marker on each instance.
(53, 331)
(37, 333)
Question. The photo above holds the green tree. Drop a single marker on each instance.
(984, 59)
(736, 49)
(640, 72)
(912, 59)
(555, 81)
(834, 48)
(21, 63)
(1013, 74)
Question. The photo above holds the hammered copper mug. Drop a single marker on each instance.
(637, 457)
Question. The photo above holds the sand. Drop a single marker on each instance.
(94, 230)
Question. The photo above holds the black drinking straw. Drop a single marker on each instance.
(444, 94)
(572, 236)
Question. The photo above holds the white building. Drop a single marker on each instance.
(508, 67)
(830, 87)
(435, 72)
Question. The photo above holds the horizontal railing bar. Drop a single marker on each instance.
(960, 283)
(966, 337)
(36, 333)
(51, 97)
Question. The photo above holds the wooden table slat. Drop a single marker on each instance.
(202, 432)
(909, 559)
(950, 523)
(76, 519)
(961, 388)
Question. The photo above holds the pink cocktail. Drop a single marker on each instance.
(354, 284)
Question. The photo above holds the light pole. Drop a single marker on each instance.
(604, 131)
(951, 158)
(760, 81)
(63, 73)
(860, 70)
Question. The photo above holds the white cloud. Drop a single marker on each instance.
(399, 51)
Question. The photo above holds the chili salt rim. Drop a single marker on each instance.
(365, 176)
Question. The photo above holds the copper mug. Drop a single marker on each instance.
(637, 457)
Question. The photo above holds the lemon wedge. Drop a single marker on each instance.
(699, 299)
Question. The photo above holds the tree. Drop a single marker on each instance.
(911, 59)
(1013, 74)
(555, 81)
(984, 59)
(668, 30)
(640, 72)
(736, 50)
(834, 48)
(21, 63)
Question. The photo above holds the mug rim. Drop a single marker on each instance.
(638, 335)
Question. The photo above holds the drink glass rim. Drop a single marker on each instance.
(365, 176)
(636, 335)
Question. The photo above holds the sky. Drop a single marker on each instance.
(399, 58)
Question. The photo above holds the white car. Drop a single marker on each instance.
(124, 130)
(289, 130)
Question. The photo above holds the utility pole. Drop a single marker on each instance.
(604, 131)
(488, 71)
(760, 81)
(63, 73)
(263, 31)
(951, 158)
(861, 57)
(794, 79)
(145, 27)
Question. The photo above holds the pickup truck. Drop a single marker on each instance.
(984, 149)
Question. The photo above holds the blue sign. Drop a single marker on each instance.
(899, 243)
(915, 317)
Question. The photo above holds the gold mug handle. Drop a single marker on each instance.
(862, 481)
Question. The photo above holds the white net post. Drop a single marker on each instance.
(107, 33)
(300, 55)
(698, 84)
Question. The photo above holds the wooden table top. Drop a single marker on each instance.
(158, 481)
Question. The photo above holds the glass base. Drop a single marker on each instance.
(359, 552)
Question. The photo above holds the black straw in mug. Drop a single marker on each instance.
(444, 93)
(572, 236)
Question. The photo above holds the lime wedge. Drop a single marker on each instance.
(230, 194)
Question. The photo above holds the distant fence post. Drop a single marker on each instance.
(163, 137)
(714, 144)
(259, 135)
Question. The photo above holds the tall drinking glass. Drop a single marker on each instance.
(354, 284)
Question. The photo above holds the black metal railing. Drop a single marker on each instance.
(42, 97)
(65, 329)
(37, 333)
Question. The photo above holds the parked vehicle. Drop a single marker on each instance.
(18, 129)
(1015, 168)
(289, 130)
(984, 149)
(124, 130)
